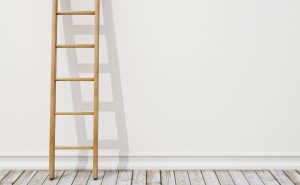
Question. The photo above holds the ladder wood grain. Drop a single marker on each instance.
(74, 79)
(54, 79)
(73, 147)
(74, 113)
(96, 87)
(53, 90)
(75, 46)
(76, 13)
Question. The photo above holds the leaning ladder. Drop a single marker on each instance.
(54, 80)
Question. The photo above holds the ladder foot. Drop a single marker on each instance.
(51, 178)
(95, 178)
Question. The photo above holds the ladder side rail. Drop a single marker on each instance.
(53, 90)
(96, 88)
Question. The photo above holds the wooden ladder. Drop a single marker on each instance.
(54, 79)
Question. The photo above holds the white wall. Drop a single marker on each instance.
(216, 78)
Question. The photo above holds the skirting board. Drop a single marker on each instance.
(111, 163)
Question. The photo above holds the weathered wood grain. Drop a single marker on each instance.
(11, 177)
(68, 177)
(39, 178)
(91, 180)
(58, 175)
(196, 177)
(210, 177)
(82, 177)
(293, 175)
(3, 173)
(153, 177)
(267, 177)
(139, 177)
(110, 177)
(252, 177)
(182, 177)
(168, 177)
(25, 177)
(281, 177)
(224, 177)
(238, 177)
(124, 177)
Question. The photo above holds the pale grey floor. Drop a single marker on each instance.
(155, 177)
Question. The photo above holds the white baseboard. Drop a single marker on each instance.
(216, 163)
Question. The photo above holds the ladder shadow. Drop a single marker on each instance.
(112, 69)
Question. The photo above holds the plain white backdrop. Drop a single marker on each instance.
(187, 78)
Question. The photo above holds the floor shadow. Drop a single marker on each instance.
(111, 68)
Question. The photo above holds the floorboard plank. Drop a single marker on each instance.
(58, 175)
(110, 177)
(3, 173)
(267, 177)
(153, 177)
(68, 177)
(168, 177)
(124, 177)
(252, 177)
(182, 177)
(196, 177)
(210, 177)
(281, 177)
(39, 178)
(293, 175)
(91, 180)
(139, 177)
(238, 177)
(26, 176)
(11, 177)
(82, 177)
(224, 177)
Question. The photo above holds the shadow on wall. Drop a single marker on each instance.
(112, 69)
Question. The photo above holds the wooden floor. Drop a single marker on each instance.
(154, 177)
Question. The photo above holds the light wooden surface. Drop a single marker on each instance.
(53, 90)
(152, 177)
(81, 175)
(96, 87)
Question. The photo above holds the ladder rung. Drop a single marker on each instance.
(74, 79)
(73, 147)
(74, 113)
(75, 45)
(76, 13)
